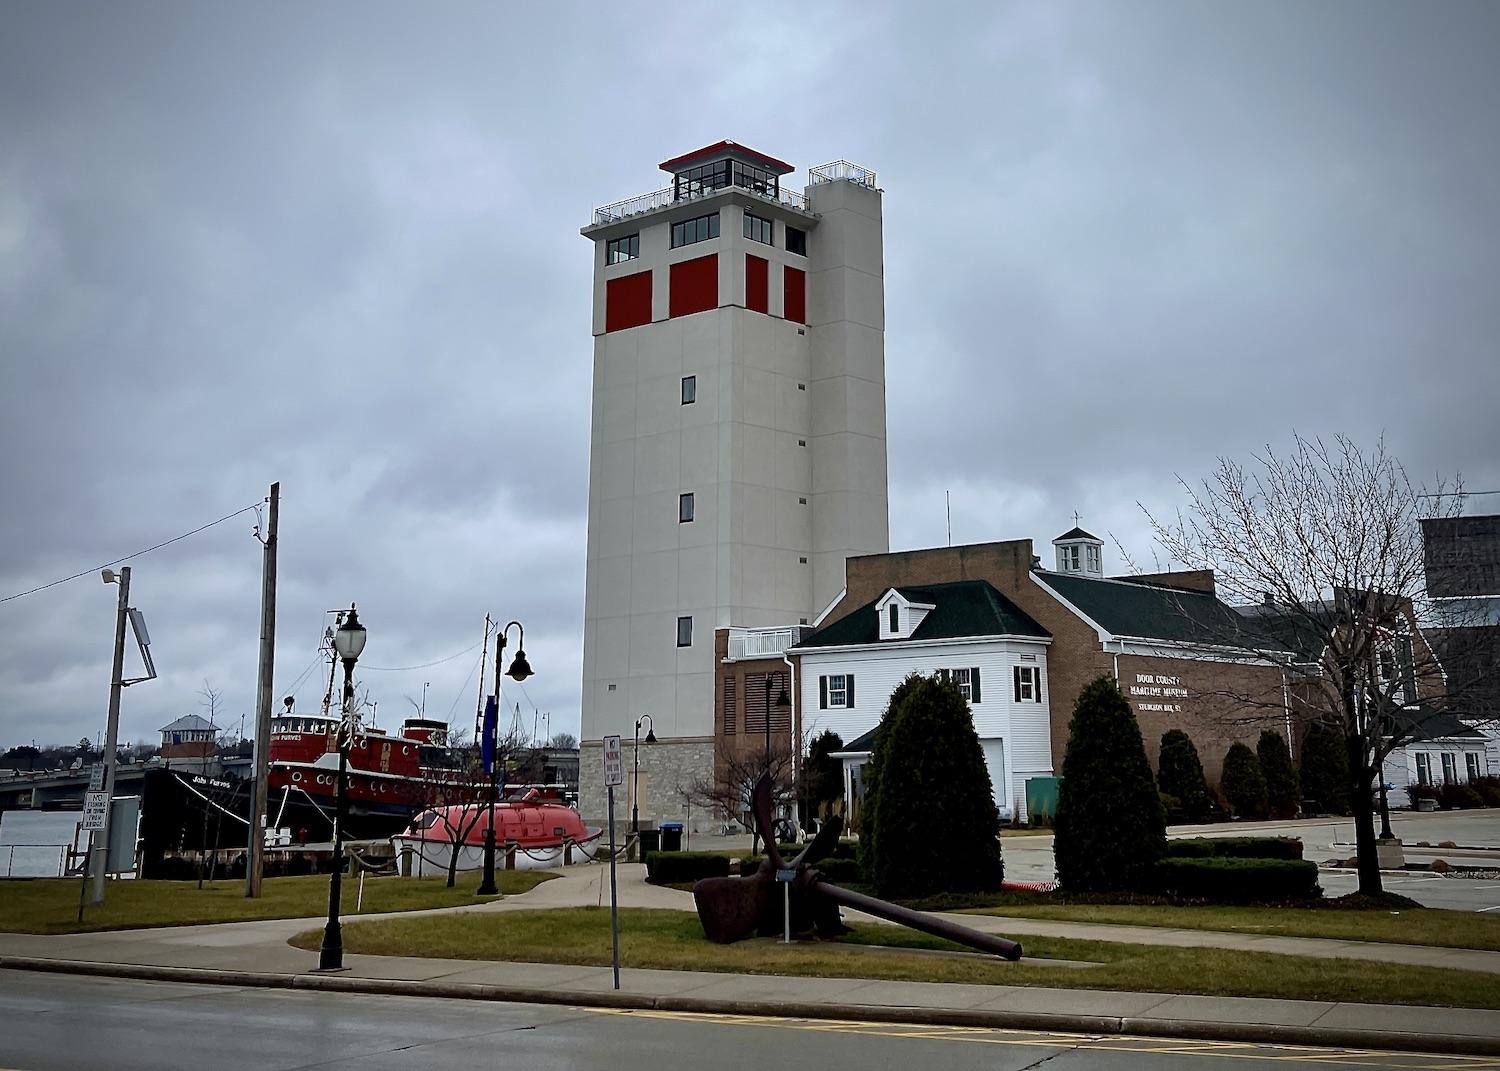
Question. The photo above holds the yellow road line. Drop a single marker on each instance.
(1228, 1050)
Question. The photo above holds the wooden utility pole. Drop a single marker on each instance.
(260, 795)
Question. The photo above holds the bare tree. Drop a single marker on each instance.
(1321, 548)
(456, 793)
(727, 791)
(563, 741)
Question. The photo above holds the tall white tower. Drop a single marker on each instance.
(738, 442)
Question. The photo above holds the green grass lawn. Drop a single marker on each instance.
(674, 940)
(1419, 926)
(50, 905)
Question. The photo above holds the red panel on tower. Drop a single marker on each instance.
(796, 295)
(757, 284)
(627, 301)
(695, 286)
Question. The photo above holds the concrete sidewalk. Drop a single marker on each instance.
(256, 953)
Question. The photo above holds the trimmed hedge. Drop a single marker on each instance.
(1235, 848)
(839, 871)
(1238, 881)
(671, 868)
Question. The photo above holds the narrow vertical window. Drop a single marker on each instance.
(684, 632)
(895, 618)
(685, 508)
(689, 390)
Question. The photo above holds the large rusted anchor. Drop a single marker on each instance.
(732, 909)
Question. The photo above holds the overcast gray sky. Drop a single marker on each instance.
(337, 245)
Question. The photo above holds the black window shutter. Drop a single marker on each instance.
(849, 693)
(1038, 684)
(974, 684)
(823, 693)
(1018, 683)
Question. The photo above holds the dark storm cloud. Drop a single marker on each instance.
(338, 247)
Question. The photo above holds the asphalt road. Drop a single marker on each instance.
(56, 1021)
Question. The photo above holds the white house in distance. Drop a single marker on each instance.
(1442, 750)
(967, 631)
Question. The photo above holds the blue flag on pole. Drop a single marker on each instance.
(487, 737)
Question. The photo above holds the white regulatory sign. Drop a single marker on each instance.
(614, 763)
(95, 807)
(96, 777)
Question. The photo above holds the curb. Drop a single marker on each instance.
(1101, 1025)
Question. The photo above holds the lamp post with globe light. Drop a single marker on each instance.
(519, 670)
(348, 643)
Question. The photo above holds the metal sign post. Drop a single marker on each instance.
(614, 776)
(786, 876)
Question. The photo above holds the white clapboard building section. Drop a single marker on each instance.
(1442, 750)
(967, 631)
(738, 439)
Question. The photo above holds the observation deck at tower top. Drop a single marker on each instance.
(724, 166)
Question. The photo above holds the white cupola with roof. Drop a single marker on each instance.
(1080, 553)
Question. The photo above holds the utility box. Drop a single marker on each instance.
(1041, 800)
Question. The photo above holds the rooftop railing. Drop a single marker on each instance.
(841, 171)
(650, 202)
(764, 642)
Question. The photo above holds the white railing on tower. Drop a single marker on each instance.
(841, 171)
(764, 642)
(650, 202)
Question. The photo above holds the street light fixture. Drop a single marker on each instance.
(348, 644)
(519, 670)
(635, 788)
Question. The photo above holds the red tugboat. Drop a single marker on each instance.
(538, 825)
(391, 775)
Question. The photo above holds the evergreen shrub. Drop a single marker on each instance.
(1283, 793)
(1110, 826)
(1180, 775)
(1243, 783)
(672, 868)
(1324, 771)
(1238, 881)
(1235, 848)
(930, 820)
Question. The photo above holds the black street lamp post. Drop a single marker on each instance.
(783, 702)
(519, 670)
(635, 788)
(348, 642)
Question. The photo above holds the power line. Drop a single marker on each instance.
(137, 554)
(424, 665)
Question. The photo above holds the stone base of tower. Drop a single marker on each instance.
(668, 767)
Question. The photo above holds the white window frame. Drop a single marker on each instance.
(1471, 763)
(1424, 768)
(961, 677)
(1029, 679)
(839, 699)
(1092, 557)
(1450, 768)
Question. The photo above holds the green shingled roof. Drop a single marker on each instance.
(1150, 612)
(963, 609)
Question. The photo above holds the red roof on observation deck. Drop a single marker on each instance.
(723, 148)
